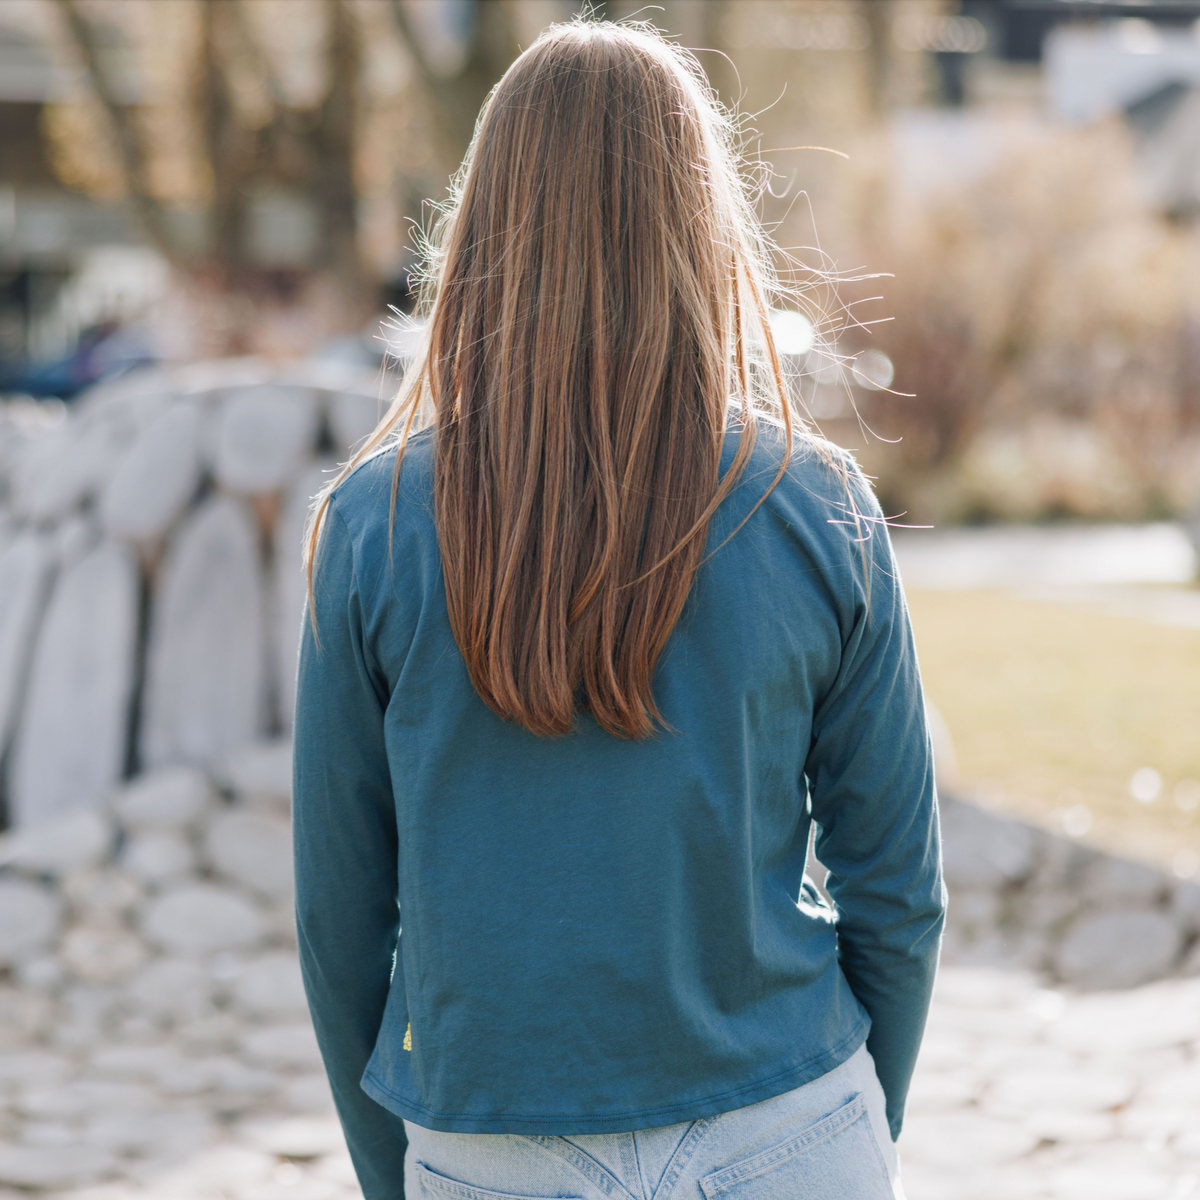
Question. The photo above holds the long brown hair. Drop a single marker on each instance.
(597, 302)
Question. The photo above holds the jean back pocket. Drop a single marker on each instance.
(838, 1158)
(434, 1185)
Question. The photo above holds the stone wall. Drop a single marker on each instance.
(1023, 897)
(151, 1003)
(150, 577)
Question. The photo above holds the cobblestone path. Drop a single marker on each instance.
(1022, 1093)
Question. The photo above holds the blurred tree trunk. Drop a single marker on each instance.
(311, 150)
(128, 137)
(230, 149)
(455, 100)
(880, 15)
(331, 143)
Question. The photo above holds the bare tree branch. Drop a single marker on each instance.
(129, 145)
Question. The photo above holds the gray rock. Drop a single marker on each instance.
(172, 987)
(59, 470)
(66, 843)
(264, 436)
(981, 850)
(353, 417)
(25, 569)
(1110, 882)
(974, 910)
(158, 857)
(200, 919)
(34, 1067)
(104, 895)
(42, 973)
(70, 748)
(205, 666)
(156, 476)
(295, 1137)
(1119, 949)
(283, 1047)
(86, 1096)
(308, 1094)
(53, 1166)
(271, 986)
(102, 955)
(260, 772)
(1185, 904)
(163, 1133)
(29, 918)
(290, 582)
(253, 849)
(170, 798)
(1190, 966)
(25, 1017)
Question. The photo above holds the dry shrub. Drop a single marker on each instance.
(1041, 325)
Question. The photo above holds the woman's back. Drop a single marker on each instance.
(583, 663)
(602, 933)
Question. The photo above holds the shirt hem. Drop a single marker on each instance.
(624, 1122)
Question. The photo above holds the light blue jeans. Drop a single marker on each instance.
(827, 1140)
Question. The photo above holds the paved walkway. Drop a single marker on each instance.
(1006, 556)
(1021, 1094)
(1028, 1094)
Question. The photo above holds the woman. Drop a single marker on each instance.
(586, 659)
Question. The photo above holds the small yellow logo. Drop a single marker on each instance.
(408, 1038)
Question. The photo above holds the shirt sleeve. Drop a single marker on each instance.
(344, 824)
(871, 782)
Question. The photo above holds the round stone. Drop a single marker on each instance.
(167, 799)
(156, 477)
(102, 955)
(176, 987)
(34, 1067)
(1110, 882)
(964, 1141)
(353, 417)
(53, 1166)
(295, 1137)
(24, 1016)
(982, 850)
(81, 680)
(102, 893)
(202, 918)
(283, 1046)
(1085, 1090)
(29, 918)
(253, 849)
(78, 839)
(176, 1133)
(264, 437)
(308, 1094)
(87, 1096)
(260, 771)
(58, 470)
(158, 857)
(1119, 949)
(271, 986)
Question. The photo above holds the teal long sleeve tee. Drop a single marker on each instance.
(599, 934)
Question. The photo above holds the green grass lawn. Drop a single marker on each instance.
(1054, 706)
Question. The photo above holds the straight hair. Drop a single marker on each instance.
(596, 306)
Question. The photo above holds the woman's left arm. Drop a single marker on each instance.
(344, 822)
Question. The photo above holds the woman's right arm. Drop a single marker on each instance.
(344, 822)
(870, 773)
